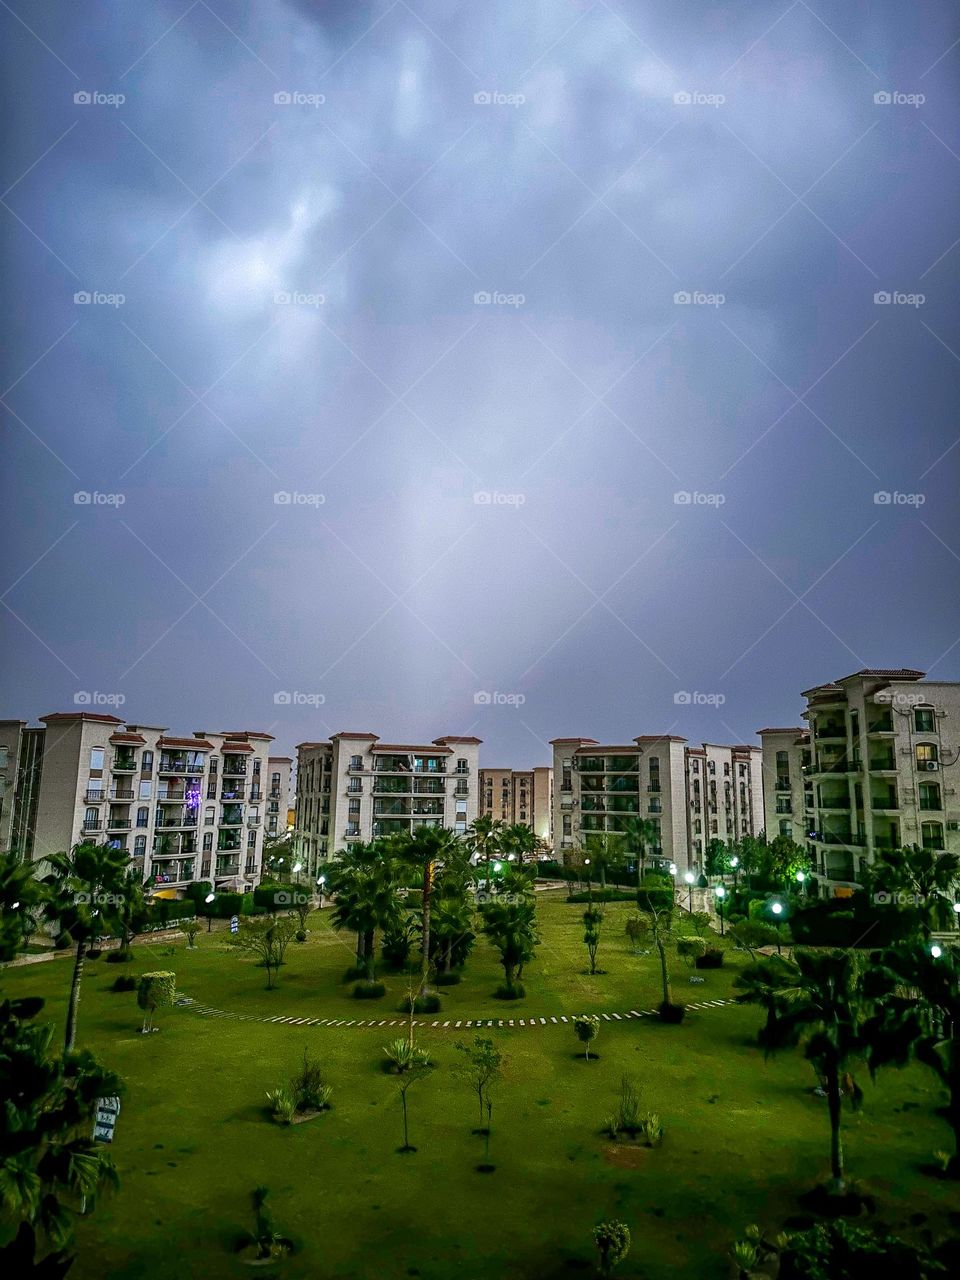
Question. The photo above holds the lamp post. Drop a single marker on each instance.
(297, 868)
(735, 864)
(207, 900)
(721, 893)
(689, 877)
(321, 881)
(777, 909)
(936, 952)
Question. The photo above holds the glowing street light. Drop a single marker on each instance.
(208, 899)
(936, 952)
(321, 881)
(721, 893)
(690, 878)
(777, 908)
(801, 876)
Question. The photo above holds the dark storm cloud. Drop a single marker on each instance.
(583, 410)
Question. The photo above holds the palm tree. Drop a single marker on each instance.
(511, 927)
(86, 888)
(21, 896)
(483, 839)
(132, 912)
(930, 878)
(761, 983)
(918, 1015)
(639, 835)
(427, 847)
(822, 1006)
(366, 885)
(519, 839)
(451, 930)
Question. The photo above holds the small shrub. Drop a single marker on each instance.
(190, 931)
(450, 979)
(369, 991)
(712, 959)
(587, 1028)
(283, 1104)
(301, 935)
(119, 957)
(613, 1244)
(671, 1013)
(422, 1004)
(628, 1117)
(94, 953)
(510, 991)
(691, 948)
(309, 1087)
(126, 982)
(652, 1130)
(402, 1056)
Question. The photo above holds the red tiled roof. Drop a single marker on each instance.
(344, 733)
(562, 741)
(192, 743)
(603, 748)
(81, 715)
(695, 751)
(246, 733)
(128, 737)
(307, 746)
(659, 737)
(282, 759)
(794, 730)
(451, 738)
(234, 748)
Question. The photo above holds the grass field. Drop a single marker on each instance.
(742, 1137)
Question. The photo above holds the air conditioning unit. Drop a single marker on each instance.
(931, 766)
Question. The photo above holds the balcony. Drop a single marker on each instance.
(94, 797)
(234, 767)
(231, 793)
(883, 764)
(782, 784)
(91, 824)
(124, 765)
(180, 765)
(173, 796)
(835, 729)
(273, 795)
(883, 725)
(118, 824)
(121, 795)
(225, 868)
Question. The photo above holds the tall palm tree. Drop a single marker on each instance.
(483, 839)
(519, 839)
(427, 847)
(930, 878)
(366, 885)
(511, 927)
(822, 1006)
(640, 834)
(86, 888)
(918, 1015)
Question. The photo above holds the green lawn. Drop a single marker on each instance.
(742, 1136)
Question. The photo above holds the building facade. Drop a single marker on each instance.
(185, 808)
(691, 794)
(357, 788)
(880, 763)
(519, 796)
(787, 785)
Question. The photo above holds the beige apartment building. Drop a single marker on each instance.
(356, 788)
(185, 808)
(877, 767)
(519, 796)
(691, 794)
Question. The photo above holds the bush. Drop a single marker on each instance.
(712, 959)
(123, 956)
(126, 982)
(309, 1087)
(283, 1105)
(601, 895)
(655, 892)
(369, 991)
(450, 979)
(628, 1117)
(301, 935)
(422, 1004)
(395, 948)
(671, 1013)
(652, 1130)
(401, 1055)
(94, 953)
(264, 894)
(510, 991)
(414, 898)
(691, 948)
(225, 905)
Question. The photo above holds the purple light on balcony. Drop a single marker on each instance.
(192, 795)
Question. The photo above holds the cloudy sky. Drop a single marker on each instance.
(438, 349)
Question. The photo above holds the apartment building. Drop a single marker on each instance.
(787, 785)
(880, 764)
(356, 788)
(185, 808)
(519, 795)
(277, 814)
(691, 794)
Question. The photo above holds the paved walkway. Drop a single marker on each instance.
(516, 1024)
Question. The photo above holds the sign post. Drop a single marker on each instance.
(234, 924)
(106, 1119)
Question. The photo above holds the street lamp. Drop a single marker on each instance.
(297, 868)
(673, 868)
(208, 899)
(721, 893)
(735, 864)
(777, 908)
(690, 878)
(321, 881)
(936, 952)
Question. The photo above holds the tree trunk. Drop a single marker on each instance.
(406, 1137)
(425, 929)
(369, 953)
(836, 1142)
(667, 994)
(509, 971)
(70, 1034)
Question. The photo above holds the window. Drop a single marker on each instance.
(786, 828)
(695, 766)
(256, 768)
(712, 766)
(356, 762)
(96, 757)
(251, 839)
(143, 816)
(208, 815)
(726, 769)
(924, 720)
(927, 755)
(145, 790)
(146, 762)
(90, 818)
(931, 834)
(354, 808)
(140, 846)
(462, 766)
(929, 794)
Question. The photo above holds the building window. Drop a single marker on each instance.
(927, 755)
(209, 814)
(356, 762)
(140, 846)
(931, 835)
(929, 793)
(924, 720)
(251, 839)
(96, 757)
(207, 846)
(146, 762)
(145, 790)
(143, 816)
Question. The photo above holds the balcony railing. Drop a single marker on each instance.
(94, 797)
(124, 766)
(231, 793)
(782, 784)
(91, 824)
(174, 795)
(228, 868)
(882, 764)
(118, 824)
(178, 764)
(234, 768)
